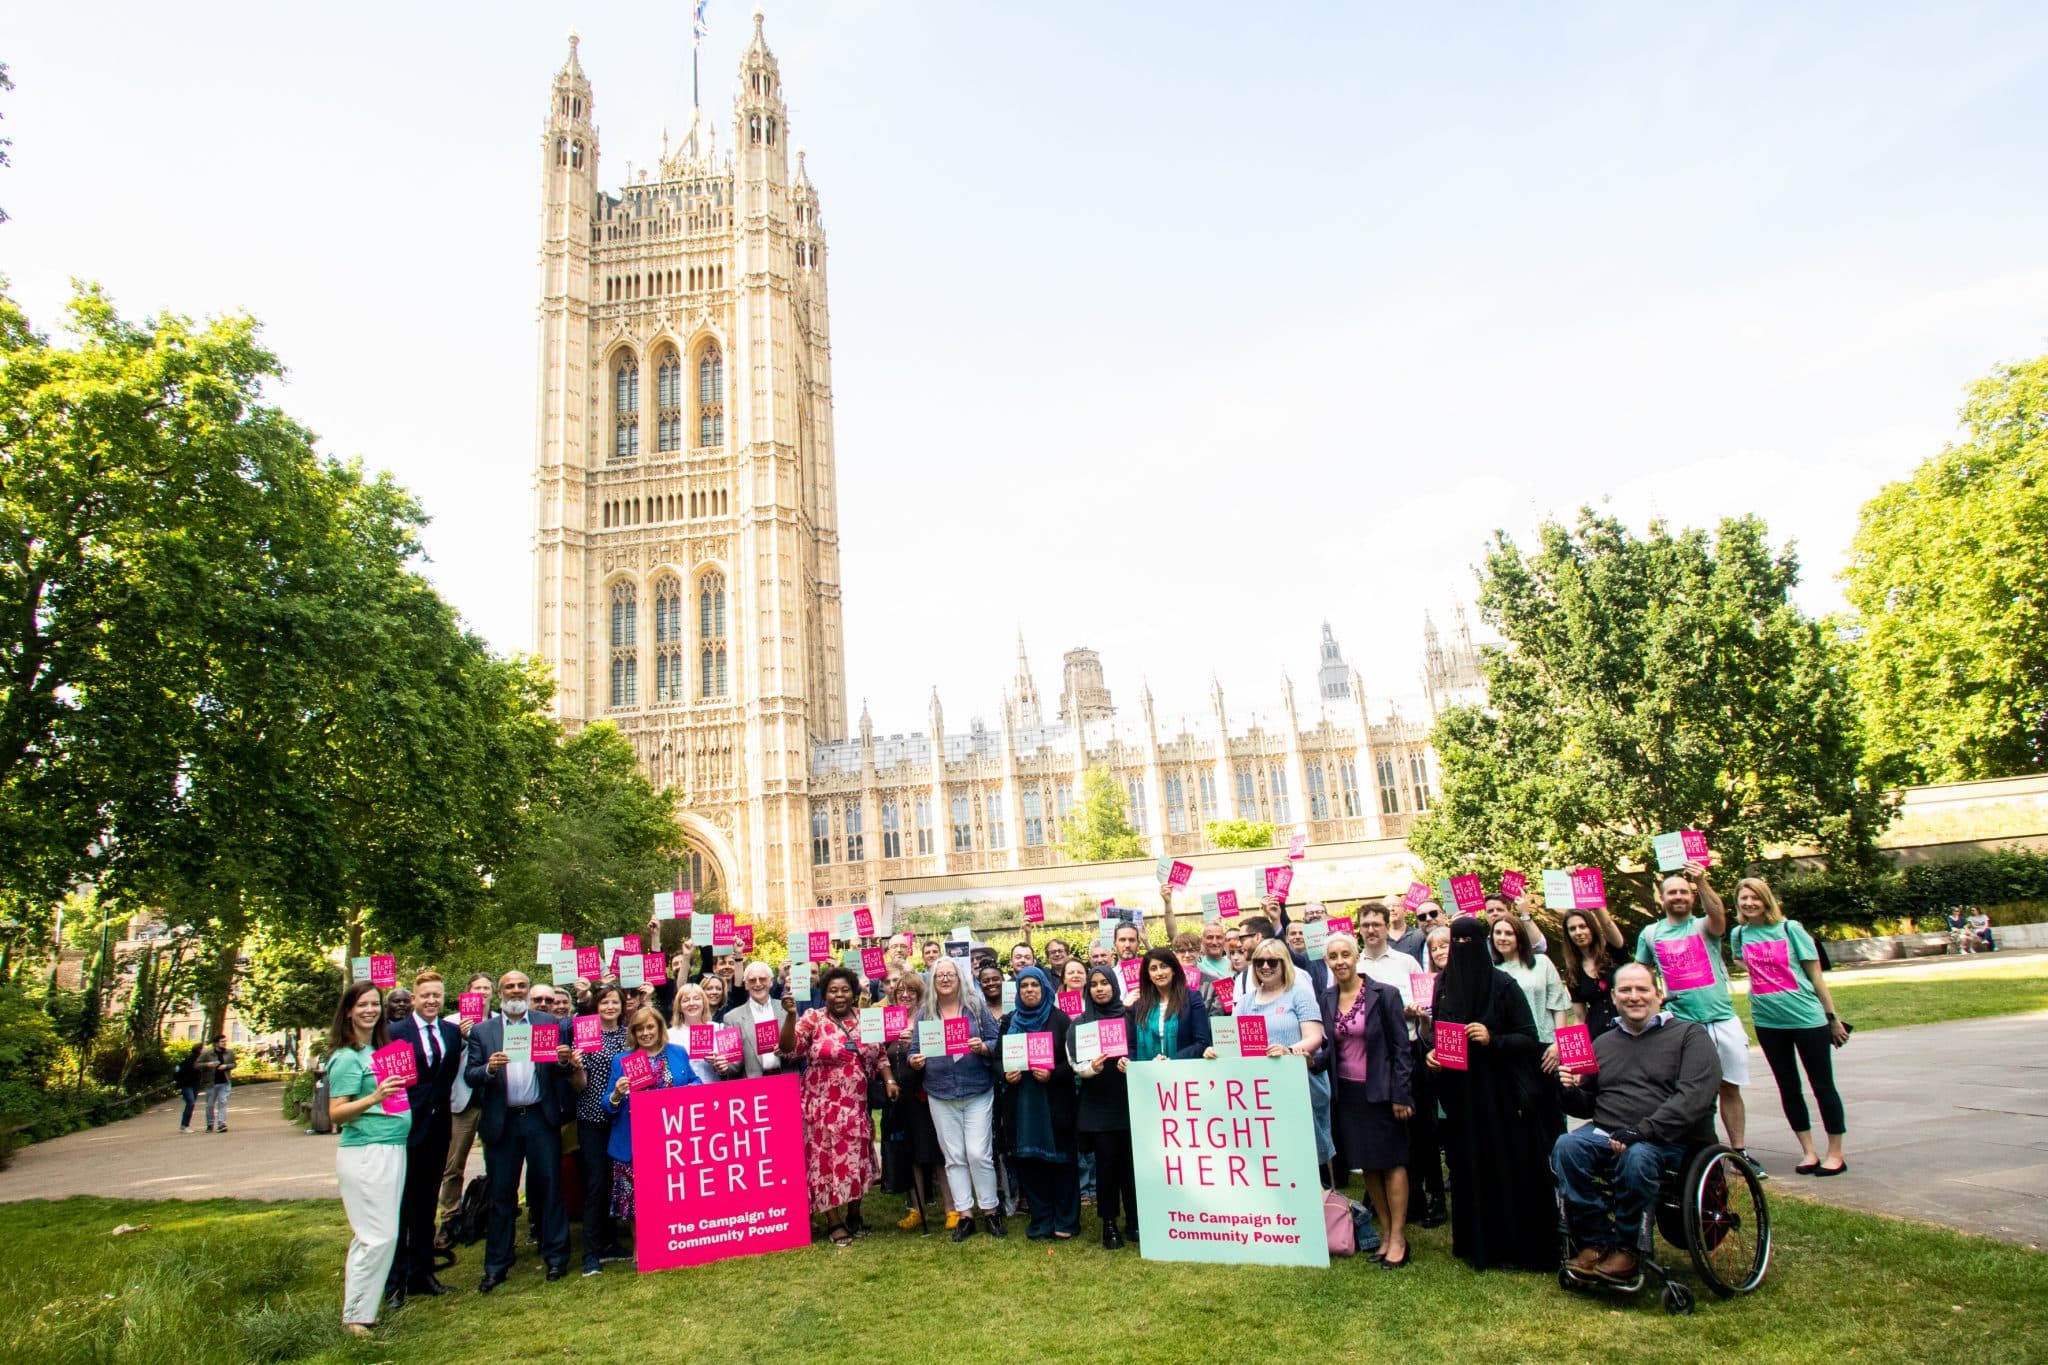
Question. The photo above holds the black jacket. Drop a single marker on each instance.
(488, 1088)
(429, 1096)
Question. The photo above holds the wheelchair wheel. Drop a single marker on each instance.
(1727, 1224)
(1677, 1299)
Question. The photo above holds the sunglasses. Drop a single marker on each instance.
(1266, 962)
(1425, 914)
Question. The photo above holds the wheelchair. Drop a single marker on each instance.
(1712, 1206)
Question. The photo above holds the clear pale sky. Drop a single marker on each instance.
(1169, 329)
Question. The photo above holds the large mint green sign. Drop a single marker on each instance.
(1226, 1162)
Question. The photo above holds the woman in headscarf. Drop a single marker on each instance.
(1101, 1119)
(1038, 1115)
(1502, 1209)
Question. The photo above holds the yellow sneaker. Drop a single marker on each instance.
(952, 1220)
(912, 1221)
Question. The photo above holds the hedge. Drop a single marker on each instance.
(1924, 891)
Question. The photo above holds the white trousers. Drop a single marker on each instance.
(964, 1128)
(372, 1189)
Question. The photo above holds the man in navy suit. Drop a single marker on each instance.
(437, 1056)
(521, 1125)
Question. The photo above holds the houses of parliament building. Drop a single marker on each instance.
(687, 580)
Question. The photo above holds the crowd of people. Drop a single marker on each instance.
(1479, 1140)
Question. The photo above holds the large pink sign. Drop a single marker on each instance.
(718, 1171)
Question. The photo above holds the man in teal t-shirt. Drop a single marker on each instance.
(1662, 944)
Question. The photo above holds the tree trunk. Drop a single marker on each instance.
(220, 988)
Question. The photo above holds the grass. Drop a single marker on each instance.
(230, 1280)
(1932, 994)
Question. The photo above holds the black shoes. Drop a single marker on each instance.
(965, 1230)
(556, 1272)
(1110, 1240)
(432, 1289)
(1434, 1216)
(490, 1282)
(995, 1225)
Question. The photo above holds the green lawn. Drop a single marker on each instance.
(229, 1280)
(1933, 994)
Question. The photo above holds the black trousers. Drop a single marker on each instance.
(592, 1140)
(1425, 1140)
(528, 1140)
(1116, 1181)
(425, 1154)
(1815, 1051)
(1053, 1189)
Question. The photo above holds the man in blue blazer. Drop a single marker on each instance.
(521, 1125)
(437, 1055)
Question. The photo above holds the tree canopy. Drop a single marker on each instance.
(1239, 833)
(1647, 684)
(1948, 579)
(1097, 830)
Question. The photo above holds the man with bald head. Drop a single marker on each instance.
(1654, 1092)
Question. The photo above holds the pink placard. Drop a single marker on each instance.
(702, 1038)
(1226, 904)
(383, 971)
(767, 1036)
(1297, 847)
(1770, 966)
(743, 935)
(863, 922)
(547, 1041)
(722, 935)
(895, 1019)
(1038, 1052)
(959, 1035)
(1684, 963)
(1070, 1004)
(1342, 924)
(1251, 1036)
(1418, 892)
(1116, 1039)
(1034, 909)
(470, 1007)
(1589, 888)
(1422, 989)
(1278, 880)
(589, 964)
(589, 1033)
(821, 945)
(1193, 973)
(718, 1171)
(638, 1071)
(395, 1061)
(1469, 893)
(1696, 849)
(630, 944)
(1129, 969)
(654, 969)
(874, 963)
(686, 904)
(1513, 885)
(1451, 1046)
(727, 1045)
(1575, 1049)
(1226, 993)
(1180, 873)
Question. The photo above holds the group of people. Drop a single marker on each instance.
(1482, 1144)
(206, 1077)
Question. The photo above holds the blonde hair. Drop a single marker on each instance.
(646, 1014)
(687, 990)
(1286, 960)
(1761, 889)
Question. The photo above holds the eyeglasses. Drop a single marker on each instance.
(1266, 962)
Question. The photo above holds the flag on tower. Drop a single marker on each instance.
(698, 28)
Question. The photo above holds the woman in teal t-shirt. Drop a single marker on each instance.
(1794, 1017)
(369, 1163)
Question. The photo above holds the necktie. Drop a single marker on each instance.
(434, 1045)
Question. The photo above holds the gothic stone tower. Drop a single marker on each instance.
(686, 543)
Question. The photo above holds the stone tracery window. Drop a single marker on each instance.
(669, 678)
(711, 642)
(626, 408)
(710, 399)
(625, 681)
(668, 401)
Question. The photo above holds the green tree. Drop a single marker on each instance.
(291, 987)
(1097, 830)
(1948, 579)
(1647, 684)
(1239, 833)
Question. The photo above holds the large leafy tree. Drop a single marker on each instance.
(291, 987)
(1647, 684)
(1098, 830)
(1948, 578)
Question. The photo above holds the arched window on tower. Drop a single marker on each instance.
(670, 682)
(668, 401)
(625, 690)
(626, 408)
(711, 643)
(710, 399)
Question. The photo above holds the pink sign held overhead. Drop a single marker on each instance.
(686, 904)
(821, 945)
(722, 931)
(1297, 847)
(1034, 909)
(1589, 889)
(874, 963)
(1696, 850)
(1251, 1036)
(589, 1033)
(470, 1007)
(1226, 904)
(1575, 1049)
(630, 944)
(1452, 1046)
(1418, 892)
(718, 1171)
(743, 937)
(638, 1071)
(1513, 885)
(395, 1061)
(1180, 874)
(1770, 966)
(653, 969)
(1684, 963)
(383, 971)
(1278, 881)
(1341, 924)
(1422, 989)
(863, 922)
(589, 966)
(1070, 1004)
(1116, 1039)
(959, 1035)
(1469, 893)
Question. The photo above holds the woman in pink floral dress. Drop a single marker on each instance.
(838, 1135)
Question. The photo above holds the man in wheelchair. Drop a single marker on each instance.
(1653, 1094)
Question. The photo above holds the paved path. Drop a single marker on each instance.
(1948, 1123)
(260, 1156)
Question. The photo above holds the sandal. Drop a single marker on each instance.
(839, 1235)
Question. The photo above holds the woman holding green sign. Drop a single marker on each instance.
(1103, 1117)
(1038, 1114)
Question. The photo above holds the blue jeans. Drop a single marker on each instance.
(1610, 1217)
(191, 1094)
